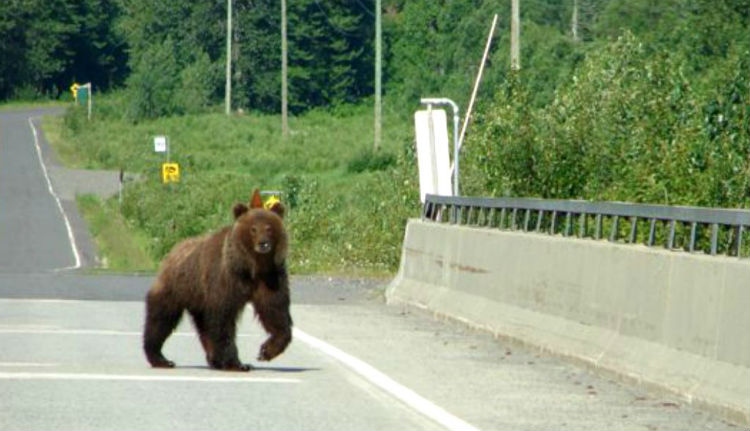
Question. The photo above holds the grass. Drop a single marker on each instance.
(121, 248)
(347, 204)
(18, 105)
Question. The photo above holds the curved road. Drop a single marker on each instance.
(32, 226)
(70, 353)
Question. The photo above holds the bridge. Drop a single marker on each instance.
(653, 294)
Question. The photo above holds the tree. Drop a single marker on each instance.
(330, 53)
(153, 82)
(46, 45)
(258, 56)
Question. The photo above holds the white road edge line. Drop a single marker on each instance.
(381, 380)
(51, 190)
(141, 378)
(365, 370)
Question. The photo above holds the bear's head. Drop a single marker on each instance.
(260, 231)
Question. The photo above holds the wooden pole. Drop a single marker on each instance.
(284, 90)
(574, 21)
(515, 36)
(228, 83)
(476, 82)
(378, 75)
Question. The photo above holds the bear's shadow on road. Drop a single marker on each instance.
(283, 370)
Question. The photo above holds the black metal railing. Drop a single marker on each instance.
(692, 229)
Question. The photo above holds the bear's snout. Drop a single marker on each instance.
(263, 247)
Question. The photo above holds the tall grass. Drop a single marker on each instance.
(347, 204)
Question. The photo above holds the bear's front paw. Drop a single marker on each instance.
(265, 353)
(269, 350)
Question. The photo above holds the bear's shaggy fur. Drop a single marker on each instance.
(213, 277)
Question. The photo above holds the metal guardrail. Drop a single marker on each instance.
(692, 229)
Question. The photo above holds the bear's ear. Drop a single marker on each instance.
(278, 208)
(255, 200)
(239, 209)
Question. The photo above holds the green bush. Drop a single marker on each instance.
(339, 219)
(629, 127)
(370, 160)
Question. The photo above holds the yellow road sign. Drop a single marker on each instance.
(74, 90)
(170, 173)
(270, 202)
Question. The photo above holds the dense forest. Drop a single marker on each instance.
(615, 99)
(156, 49)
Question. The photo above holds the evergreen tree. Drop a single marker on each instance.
(47, 44)
(257, 65)
(330, 52)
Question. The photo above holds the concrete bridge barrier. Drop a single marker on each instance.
(670, 320)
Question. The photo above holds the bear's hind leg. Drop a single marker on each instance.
(199, 320)
(161, 320)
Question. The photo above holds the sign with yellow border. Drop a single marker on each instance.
(170, 173)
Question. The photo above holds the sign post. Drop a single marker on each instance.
(83, 94)
(170, 172)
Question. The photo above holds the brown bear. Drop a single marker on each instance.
(213, 277)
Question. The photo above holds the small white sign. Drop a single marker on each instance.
(432, 153)
(160, 144)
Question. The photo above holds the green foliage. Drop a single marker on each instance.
(152, 85)
(649, 102)
(74, 120)
(629, 127)
(256, 82)
(120, 249)
(330, 53)
(47, 45)
(371, 161)
(197, 84)
(338, 219)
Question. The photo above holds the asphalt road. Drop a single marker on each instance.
(70, 354)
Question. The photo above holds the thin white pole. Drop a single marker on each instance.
(91, 99)
(378, 75)
(476, 82)
(284, 89)
(515, 36)
(228, 85)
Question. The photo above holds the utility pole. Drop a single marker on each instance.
(228, 85)
(574, 21)
(378, 74)
(515, 36)
(284, 90)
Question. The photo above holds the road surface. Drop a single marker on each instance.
(70, 355)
